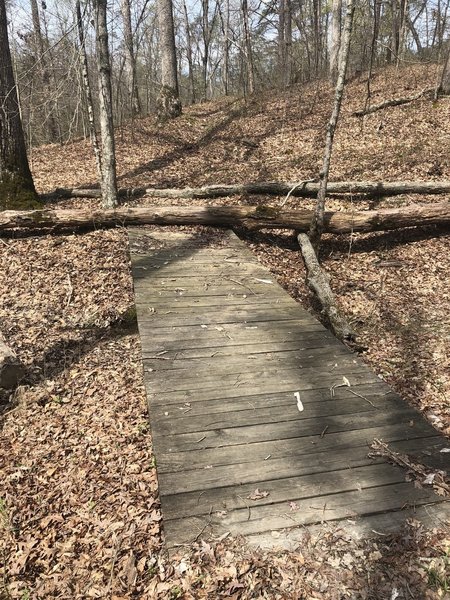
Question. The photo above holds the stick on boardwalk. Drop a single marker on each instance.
(225, 352)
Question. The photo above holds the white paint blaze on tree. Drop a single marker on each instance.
(16, 183)
(109, 181)
(168, 103)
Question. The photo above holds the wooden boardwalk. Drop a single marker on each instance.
(227, 354)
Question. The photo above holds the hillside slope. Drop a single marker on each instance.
(208, 143)
(79, 506)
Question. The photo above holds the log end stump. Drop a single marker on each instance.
(11, 370)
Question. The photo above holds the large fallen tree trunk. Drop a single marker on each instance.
(228, 216)
(271, 188)
(11, 370)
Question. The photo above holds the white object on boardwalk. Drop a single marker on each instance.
(299, 402)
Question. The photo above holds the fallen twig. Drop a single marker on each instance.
(388, 103)
(422, 474)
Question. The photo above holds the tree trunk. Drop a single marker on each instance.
(87, 90)
(304, 189)
(109, 182)
(395, 27)
(248, 49)
(39, 48)
(168, 102)
(189, 55)
(318, 282)
(316, 229)
(225, 24)
(16, 183)
(260, 217)
(130, 60)
(288, 42)
(309, 244)
(11, 370)
(206, 42)
(317, 28)
(335, 39)
(281, 41)
(444, 84)
(285, 42)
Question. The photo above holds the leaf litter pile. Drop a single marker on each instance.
(79, 507)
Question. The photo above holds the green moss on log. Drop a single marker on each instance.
(264, 211)
(130, 315)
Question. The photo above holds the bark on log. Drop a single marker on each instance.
(318, 282)
(389, 103)
(259, 217)
(11, 370)
(270, 188)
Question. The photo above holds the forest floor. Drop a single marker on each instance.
(79, 507)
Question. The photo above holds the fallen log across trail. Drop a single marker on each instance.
(272, 188)
(260, 217)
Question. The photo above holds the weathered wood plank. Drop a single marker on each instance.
(225, 355)
(275, 517)
(256, 384)
(171, 461)
(315, 346)
(283, 430)
(214, 302)
(256, 314)
(224, 365)
(227, 498)
(318, 401)
(427, 451)
(181, 420)
(243, 381)
(220, 270)
(235, 333)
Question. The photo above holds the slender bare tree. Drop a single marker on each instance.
(335, 38)
(109, 180)
(87, 89)
(16, 183)
(225, 27)
(444, 85)
(130, 59)
(44, 72)
(189, 53)
(309, 244)
(316, 229)
(248, 49)
(168, 102)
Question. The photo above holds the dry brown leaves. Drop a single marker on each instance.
(79, 488)
(79, 507)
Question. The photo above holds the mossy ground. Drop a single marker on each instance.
(15, 194)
